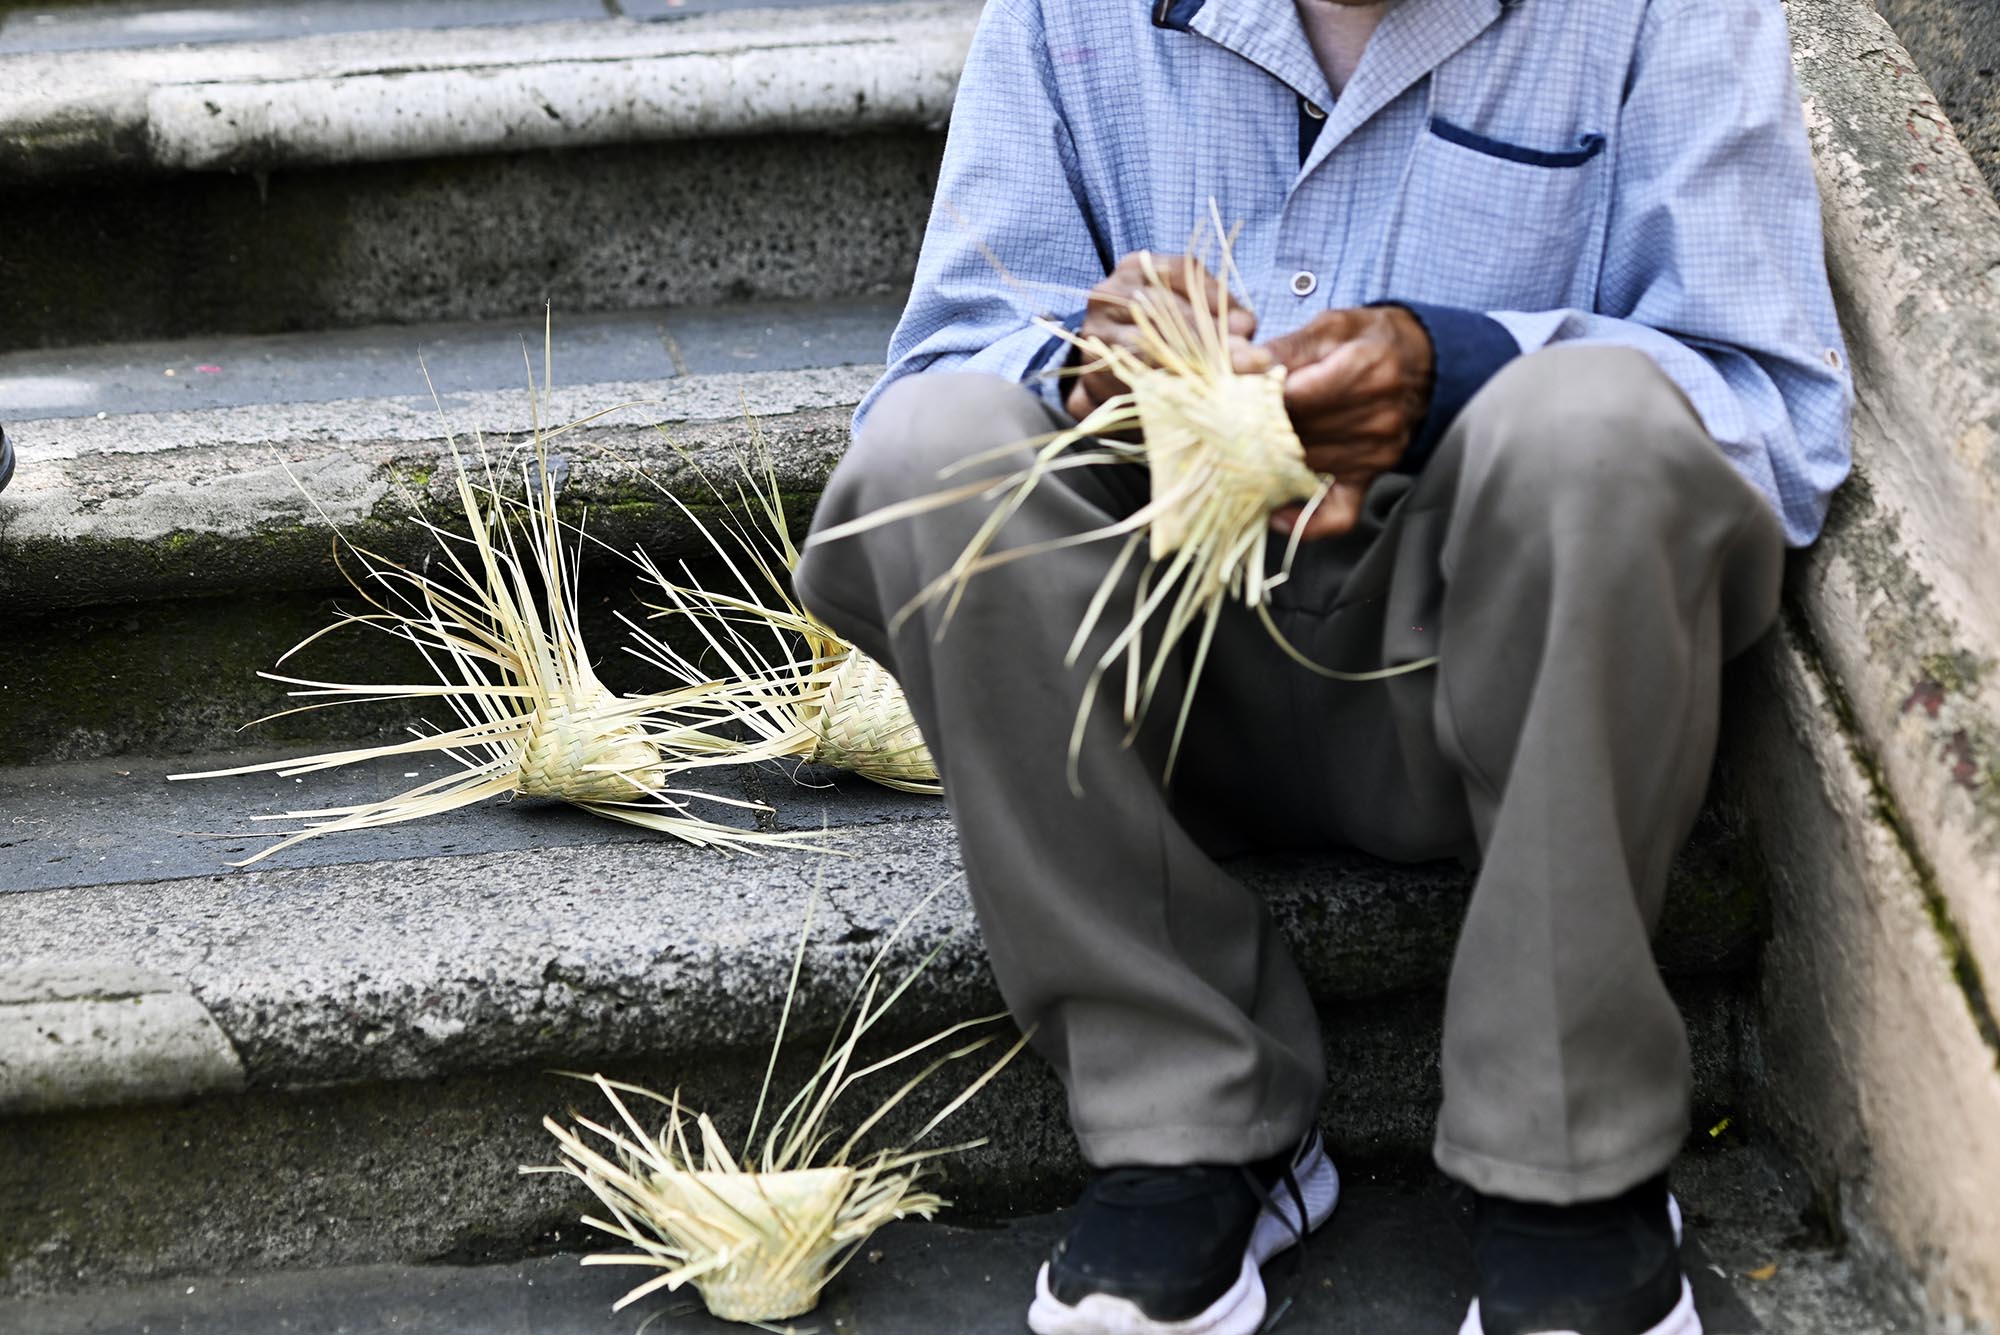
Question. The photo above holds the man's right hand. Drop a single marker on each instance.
(1109, 317)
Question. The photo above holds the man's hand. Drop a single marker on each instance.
(1109, 317)
(1358, 385)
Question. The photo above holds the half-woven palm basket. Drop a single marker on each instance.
(761, 1234)
(495, 616)
(805, 693)
(1221, 454)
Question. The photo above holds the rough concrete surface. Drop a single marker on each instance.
(399, 361)
(78, 1037)
(425, 1170)
(1899, 596)
(105, 25)
(1392, 1261)
(377, 96)
(392, 1016)
(769, 217)
(164, 505)
(502, 954)
(1957, 45)
(1872, 1060)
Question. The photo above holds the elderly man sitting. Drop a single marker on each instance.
(1547, 279)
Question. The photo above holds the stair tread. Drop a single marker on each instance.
(81, 94)
(514, 934)
(106, 25)
(224, 477)
(197, 375)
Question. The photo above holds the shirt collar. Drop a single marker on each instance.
(1267, 33)
(1415, 37)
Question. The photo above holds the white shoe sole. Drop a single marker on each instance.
(1683, 1320)
(1240, 1311)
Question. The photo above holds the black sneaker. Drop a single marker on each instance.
(1609, 1267)
(1154, 1251)
(6, 459)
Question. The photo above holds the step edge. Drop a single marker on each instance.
(522, 991)
(149, 507)
(358, 97)
(106, 1035)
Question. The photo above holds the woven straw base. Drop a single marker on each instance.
(865, 725)
(756, 1219)
(578, 756)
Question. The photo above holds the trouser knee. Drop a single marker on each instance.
(924, 434)
(923, 427)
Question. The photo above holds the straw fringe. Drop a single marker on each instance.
(498, 625)
(804, 693)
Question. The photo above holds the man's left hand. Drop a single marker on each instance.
(1357, 388)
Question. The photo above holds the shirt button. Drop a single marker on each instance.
(1312, 109)
(1303, 283)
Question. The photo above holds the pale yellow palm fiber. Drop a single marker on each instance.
(759, 1236)
(1222, 455)
(803, 693)
(498, 625)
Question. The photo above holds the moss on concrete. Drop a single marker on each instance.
(47, 574)
(1964, 966)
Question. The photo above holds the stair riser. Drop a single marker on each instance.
(425, 1171)
(181, 677)
(801, 216)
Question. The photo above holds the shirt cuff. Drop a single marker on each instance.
(1467, 349)
(1042, 373)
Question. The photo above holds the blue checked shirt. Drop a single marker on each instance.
(1517, 172)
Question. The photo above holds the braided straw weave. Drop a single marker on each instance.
(494, 613)
(800, 692)
(753, 1222)
(584, 747)
(864, 724)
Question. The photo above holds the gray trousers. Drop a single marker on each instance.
(1580, 558)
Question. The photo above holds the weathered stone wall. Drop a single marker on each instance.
(1875, 764)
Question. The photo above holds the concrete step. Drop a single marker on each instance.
(344, 1053)
(1392, 1261)
(1867, 772)
(599, 161)
(158, 548)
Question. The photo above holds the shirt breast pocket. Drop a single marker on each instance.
(1495, 225)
